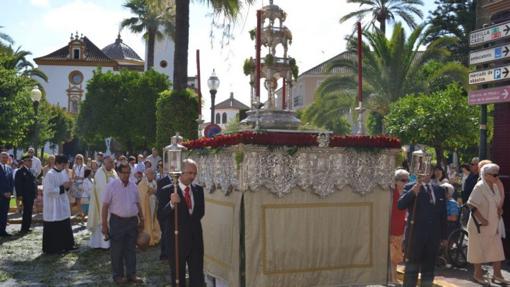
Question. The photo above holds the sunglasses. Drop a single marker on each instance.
(495, 175)
(404, 180)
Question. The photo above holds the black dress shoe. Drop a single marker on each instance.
(5, 234)
(25, 231)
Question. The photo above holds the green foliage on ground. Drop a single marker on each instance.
(123, 106)
(177, 111)
(442, 120)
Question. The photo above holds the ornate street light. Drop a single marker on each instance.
(172, 161)
(36, 96)
(213, 82)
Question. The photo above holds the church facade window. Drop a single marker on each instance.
(76, 54)
(224, 118)
(75, 77)
(163, 64)
(218, 118)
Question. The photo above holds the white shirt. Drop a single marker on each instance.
(154, 160)
(88, 185)
(55, 205)
(79, 171)
(36, 166)
(428, 187)
(182, 187)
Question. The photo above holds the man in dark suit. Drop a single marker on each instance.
(191, 209)
(425, 230)
(26, 187)
(163, 220)
(6, 186)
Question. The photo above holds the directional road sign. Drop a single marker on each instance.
(489, 96)
(488, 34)
(489, 55)
(490, 75)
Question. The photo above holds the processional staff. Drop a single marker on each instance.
(420, 167)
(172, 158)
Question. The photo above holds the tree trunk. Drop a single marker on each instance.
(181, 45)
(440, 156)
(150, 48)
(383, 27)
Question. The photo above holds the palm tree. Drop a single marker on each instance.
(227, 8)
(382, 11)
(328, 111)
(5, 41)
(16, 60)
(392, 68)
(149, 19)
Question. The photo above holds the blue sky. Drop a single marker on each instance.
(43, 26)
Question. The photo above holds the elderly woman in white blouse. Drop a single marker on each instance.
(485, 245)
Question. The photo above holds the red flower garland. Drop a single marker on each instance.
(291, 139)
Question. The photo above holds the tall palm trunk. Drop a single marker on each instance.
(150, 46)
(181, 44)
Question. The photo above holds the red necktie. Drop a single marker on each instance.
(187, 197)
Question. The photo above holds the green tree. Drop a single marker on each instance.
(16, 59)
(454, 19)
(5, 40)
(442, 120)
(382, 11)
(177, 111)
(328, 111)
(16, 113)
(392, 67)
(123, 106)
(149, 19)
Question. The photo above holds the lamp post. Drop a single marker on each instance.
(36, 95)
(172, 159)
(213, 82)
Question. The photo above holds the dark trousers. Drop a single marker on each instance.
(164, 239)
(123, 233)
(4, 211)
(28, 206)
(195, 262)
(422, 260)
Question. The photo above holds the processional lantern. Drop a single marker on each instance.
(172, 156)
(421, 163)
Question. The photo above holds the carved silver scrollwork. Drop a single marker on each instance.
(322, 171)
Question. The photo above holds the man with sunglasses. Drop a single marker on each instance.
(471, 180)
(425, 230)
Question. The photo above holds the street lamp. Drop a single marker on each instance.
(213, 84)
(36, 95)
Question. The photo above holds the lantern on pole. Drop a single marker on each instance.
(172, 163)
(421, 163)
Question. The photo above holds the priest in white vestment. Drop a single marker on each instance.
(57, 230)
(103, 176)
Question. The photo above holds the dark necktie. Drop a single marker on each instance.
(429, 192)
(187, 197)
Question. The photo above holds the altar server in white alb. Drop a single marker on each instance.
(57, 231)
(103, 176)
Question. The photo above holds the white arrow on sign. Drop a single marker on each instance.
(505, 94)
(489, 55)
(491, 33)
(490, 75)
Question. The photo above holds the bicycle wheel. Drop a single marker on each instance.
(457, 248)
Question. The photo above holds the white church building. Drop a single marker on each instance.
(70, 67)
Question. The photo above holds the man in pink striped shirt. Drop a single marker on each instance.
(121, 202)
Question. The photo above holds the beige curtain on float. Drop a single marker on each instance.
(302, 240)
(221, 235)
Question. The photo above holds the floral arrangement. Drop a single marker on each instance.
(291, 139)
